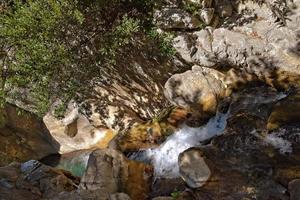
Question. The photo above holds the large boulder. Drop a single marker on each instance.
(33, 180)
(75, 131)
(199, 89)
(23, 136)
(193, 168)
(109, 170)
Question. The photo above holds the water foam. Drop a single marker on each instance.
(165, 157)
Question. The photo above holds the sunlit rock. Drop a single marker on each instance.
(109, 170)
(75, 132)
(198, 89)
(174, 18)
(193, 168)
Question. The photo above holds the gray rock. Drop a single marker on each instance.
(193, 168)
(174, 18)
(207, 14)
(252, 40)
(294, 189)
(183, 44)
(104, 171)
(110, 171)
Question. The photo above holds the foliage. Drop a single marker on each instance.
(175, 194)
(50, 50)
(191, 7)
(32, 49)
(119, 36)
(164, 41)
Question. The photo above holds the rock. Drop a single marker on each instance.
(285, 112)
(152, 133)
(244, 41)
(294, 189)
(33, 180)
(183, 45)
(128, 93)
(193, 168)
(143, 136)
(198, 89)
(24, 137)
(207, 14)
(75, 131)
(110, 171)
(174, 18)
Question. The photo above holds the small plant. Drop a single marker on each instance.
(192, 8)
(119, 37)
(175, 194)
(164, 41)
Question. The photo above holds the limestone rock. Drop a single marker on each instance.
(207, 14)
(244, 41)
(198, 89)
(193, 168)
(110, 171)
(75, 131)
(174, 18)
(120, 196)
(182, 44)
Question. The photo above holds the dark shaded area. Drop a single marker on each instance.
(51, 160)
(24, 136)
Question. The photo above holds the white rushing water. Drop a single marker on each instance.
(165, 157)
